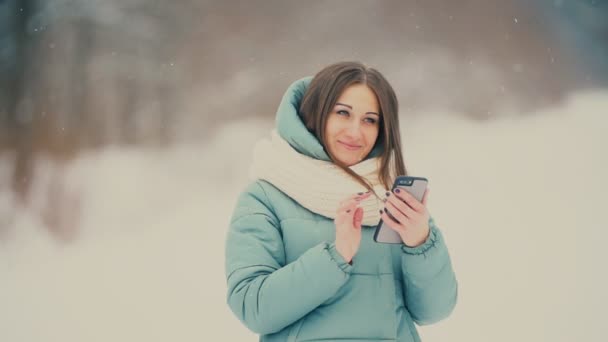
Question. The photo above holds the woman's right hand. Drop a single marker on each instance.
(348, 225)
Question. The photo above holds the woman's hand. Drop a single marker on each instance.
(407, 216)
(348, 225)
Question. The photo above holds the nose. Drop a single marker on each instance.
(353, 130)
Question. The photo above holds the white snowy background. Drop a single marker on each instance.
(504, 108)
(521, 202)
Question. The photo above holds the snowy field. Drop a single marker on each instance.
(521, 202)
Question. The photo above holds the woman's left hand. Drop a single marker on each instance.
(407, 216)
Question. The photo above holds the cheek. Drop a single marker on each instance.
(331, 129)
(371, 135)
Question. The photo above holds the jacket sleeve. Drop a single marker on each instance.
(430, 285)
(263, 292)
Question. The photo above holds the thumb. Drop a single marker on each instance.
(358, 218)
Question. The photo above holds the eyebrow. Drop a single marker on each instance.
(351, 107)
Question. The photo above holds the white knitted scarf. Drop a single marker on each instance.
(315, 184)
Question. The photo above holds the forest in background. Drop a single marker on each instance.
(80, 75)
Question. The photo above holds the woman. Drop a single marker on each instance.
(301, 262)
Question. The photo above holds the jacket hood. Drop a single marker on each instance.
(290, 127)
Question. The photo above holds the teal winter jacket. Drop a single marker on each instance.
(287, 282)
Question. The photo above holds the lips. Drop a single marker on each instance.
(349, 146)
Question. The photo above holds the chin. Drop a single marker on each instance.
(351, 158)
(349, 161)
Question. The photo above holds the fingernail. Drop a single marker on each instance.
(348, 211)
(360, 193)
(397, 190)
(380, 211)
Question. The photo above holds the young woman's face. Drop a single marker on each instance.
(353, 124)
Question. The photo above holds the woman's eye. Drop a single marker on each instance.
(342, 112)
(370, 120)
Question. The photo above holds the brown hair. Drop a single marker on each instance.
(320, 99)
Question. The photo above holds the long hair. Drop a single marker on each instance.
(321, 96)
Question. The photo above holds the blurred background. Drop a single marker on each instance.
(126, 131)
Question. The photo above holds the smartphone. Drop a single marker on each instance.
(416, 186)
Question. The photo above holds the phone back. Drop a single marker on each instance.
(417, 188)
